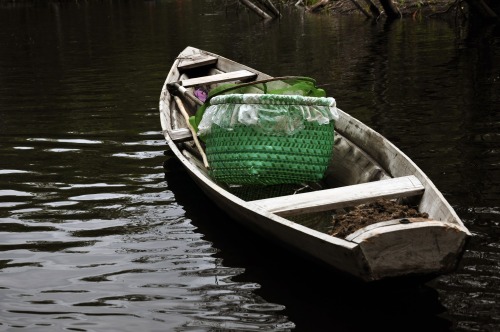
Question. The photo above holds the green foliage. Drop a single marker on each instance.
(304, 86)
(301, 86)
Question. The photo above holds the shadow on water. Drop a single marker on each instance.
(332, 300)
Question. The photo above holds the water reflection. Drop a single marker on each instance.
(300, 285)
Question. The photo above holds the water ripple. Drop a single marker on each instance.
(139, 155)
(60, 140)
(12, 171)
(99, 197)
(15, 193)
(92, 185)
(46, 246)
(59, 150)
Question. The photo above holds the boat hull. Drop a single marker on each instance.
(392, 248)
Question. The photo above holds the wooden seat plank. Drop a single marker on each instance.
(180, 135)
(335, 198)
(218, 78)
(196, 60)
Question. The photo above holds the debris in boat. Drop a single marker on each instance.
(201, 94)
(346, 222)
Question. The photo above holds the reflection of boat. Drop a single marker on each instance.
(365, 168)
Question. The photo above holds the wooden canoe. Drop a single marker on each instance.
(365, 167)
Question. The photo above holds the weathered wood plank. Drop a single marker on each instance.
(195, 161)
(351, 165)
(219, 78)
(196, 60)
(432, 245)
(400, 221)
(180, 135)
(328, 199)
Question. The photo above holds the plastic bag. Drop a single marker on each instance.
(268, 113)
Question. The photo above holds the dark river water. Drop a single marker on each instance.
(96, 235)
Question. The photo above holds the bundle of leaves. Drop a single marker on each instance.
(295, 85)
(346, 222)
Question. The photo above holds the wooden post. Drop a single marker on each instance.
(256, 9)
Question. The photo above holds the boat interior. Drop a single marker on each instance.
(352, 178)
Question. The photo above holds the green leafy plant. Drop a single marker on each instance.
(295, 85)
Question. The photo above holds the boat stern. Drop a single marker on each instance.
(415, 248)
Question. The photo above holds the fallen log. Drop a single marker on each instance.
(317, 6)
(256, 9)
(270, 6)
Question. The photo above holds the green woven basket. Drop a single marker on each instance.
(245, 156)
(249, 155)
